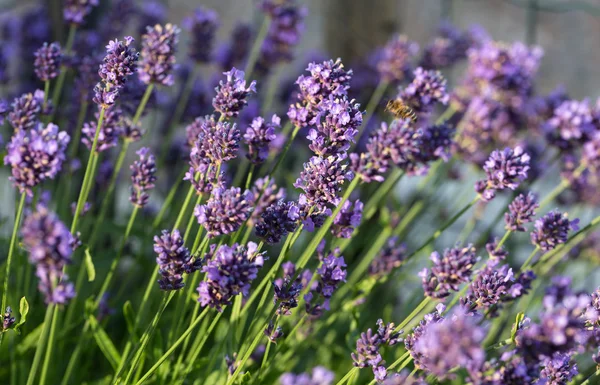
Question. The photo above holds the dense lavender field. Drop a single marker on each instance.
(180, 210)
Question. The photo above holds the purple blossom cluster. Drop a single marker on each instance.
(229, 272)
(570, 125)
(318, 376)
(277, 221)
(49, 244)
(174, 260)
(143, 176)
(231, 94)
(348, 219)
(287, 290)
(552, 230)
(389, 258)
(505, 170)
(427, 88)
(330, 275)
(369, 345)
(75, 11)
(394, 64)
(25, 110)
(447, 48)
(258, 137)
(202, 26)
(520, 212)
(448, 271)
(47, 61)
(35, 155)
(112, 128)
(225, 211)
(157, 56)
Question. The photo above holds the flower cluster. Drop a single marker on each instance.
(202, 26)
(173, 260)
(318, 376)
(449, 270)
(368, 348)
(390, 257)
(36, 155)
(395, 62)
(552, 229)
(157, 56)
(259, 136)
(111, 129)
(118, 64)
(225, 211)
(25, 110)
(348, 219)
(278, 220)
(229, 271)
(520, 211)
(143, 176)
(49, 244)
(75, 11)
(232, 94)
(47, 61)
(331, 274)
(505, 170)
(427, 88)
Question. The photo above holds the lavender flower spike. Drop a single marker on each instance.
(552, 229)
(520, 211)
(258, 136)
(278, 220)
(225, 211)
(448, 271)
(347, 220)
(427, 88)
(143, 176)
(504, 169)
(75, 11)
(157, 57)
(49, 244)
(230, 272)
(394, 65)
(25, 110)
(232, 94)
(202, 27)
(36, 155)
(47, 61)
(173, 260)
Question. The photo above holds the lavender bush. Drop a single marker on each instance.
(187, 217)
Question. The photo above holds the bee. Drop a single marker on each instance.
(400, 110)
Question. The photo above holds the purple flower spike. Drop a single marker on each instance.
(570, 125)
(336, 125)
(331, 274)
(504, 169)
(75, 11)
(216, 142)
(157, 57)
(347, 220)
(259, 136)
(173, 260)
(454, 342)
(202, 27)
(36, 155)
(143, 176)
(225, 211)
(369, 344)
(411, 340)
(48, 242)
(112, 128)
(591, 152)
(278, 220)
(118, 64)
(230, 272)
(7, 319)
(427, 88)
(47, 61)
(268, 194)
(322, 180)
(558, 370)
(318, 376)
(326, 79)
(448, 271)
(552, 230)
(390, 258)
(520, 211)
(25, 110)
(232, 94)
(394, 64)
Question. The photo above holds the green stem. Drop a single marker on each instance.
(382, 191)
(183, 210)
(168, 200)
(247, 354)
(249, 178)
(587, 381)
(530, 258)
(563, 185)
(348, 375)
(414, 313)
(63, 71)
(190, 224)
(174, 347)
(285, 150)
(148, 335)
(46, 91)
(255, 51)
(199, 343)
(41, 344)
(142, 105)
(439, 232)
(51, 340)
(11, 252)
(371, 107)
(89, 173)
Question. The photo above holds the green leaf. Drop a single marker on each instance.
(89, 265)
(104, 343)
(129, 316)
(515, 328)
(23, 311)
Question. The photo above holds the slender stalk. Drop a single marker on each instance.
(285, 150)
(11, 252)
(348, 375)
(174, 347)
(589, 379)
(63, 72)
(382, 191)
(530, 258)
(51, 340)
(41, 344)
(89, 173)
(46, 92)
(190, 224)
(371, 107)
(201, 341)
(148, 335)
(168, 200)
(414, 313)
(562, 186)
(183, 210)
(439, 231)
(249, 178)
(255, 51)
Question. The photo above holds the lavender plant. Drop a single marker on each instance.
(266, 227)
